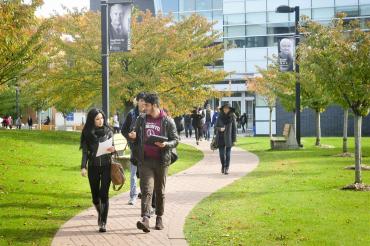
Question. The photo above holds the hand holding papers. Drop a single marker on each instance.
(104, 146)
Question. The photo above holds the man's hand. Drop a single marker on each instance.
(132, 135)
(222, 129)
(161, 145)
(83, 172)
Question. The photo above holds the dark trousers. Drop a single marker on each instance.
(198, 132)
(188, 130)
(153, 175)
(225, 156)
(99, 178)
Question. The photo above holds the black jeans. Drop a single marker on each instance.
(188, 130)
(99, 179)
(198, 133)
(225, 156)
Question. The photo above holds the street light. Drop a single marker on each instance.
(287, 9)
(17, 100)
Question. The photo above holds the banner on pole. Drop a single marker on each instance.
(286, 48)
(119, 16)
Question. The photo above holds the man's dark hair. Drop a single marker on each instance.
(152, 98)
(141, 95)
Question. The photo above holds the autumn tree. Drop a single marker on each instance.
(339, 55)
(21, 40)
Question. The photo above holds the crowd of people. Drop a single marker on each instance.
(150, 160)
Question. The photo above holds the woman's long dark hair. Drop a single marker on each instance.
(89, 126)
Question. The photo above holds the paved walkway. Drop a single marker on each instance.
(183, 191)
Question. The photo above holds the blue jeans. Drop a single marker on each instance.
(208, 130)
(133, 178)
(225, 156)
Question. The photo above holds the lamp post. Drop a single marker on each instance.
(105, 57)
(17, 100)
(287, 9)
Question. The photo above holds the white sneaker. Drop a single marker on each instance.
(132, 201)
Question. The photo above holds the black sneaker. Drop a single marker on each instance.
(143, 225)
(159, 223)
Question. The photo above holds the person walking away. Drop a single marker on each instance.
(188, 127)
(127, 127)
(29, 122)
(208, 121)
(116, 123)
(225, 135)
(18, 123)
(197, 124)
(153, 159)
(97, 168)
(243, 121)
(179, 125)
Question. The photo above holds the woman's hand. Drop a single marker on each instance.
(111, 149)
(83, 172)
(161, 145)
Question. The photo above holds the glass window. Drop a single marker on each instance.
(279, 28)
(365, 10)
(234, 31)
(364, 2)
(322, 3)
(203, 5)
(351, 11)
(364, 23)
(323, 13)
(260, 41)
(345, 2)
(238, 67)
(303, 4)
(256, 18)
(219, 18)
(252, 67)
(255, 5)
(273, 4)
(206, 14)
(277, 17)
(217, 4)
(233, 6)
(235, 43)
(306, 12)
(187, 5)
(256, 30)
(170, 6)
(234, 19)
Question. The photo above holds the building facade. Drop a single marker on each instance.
(253, 28)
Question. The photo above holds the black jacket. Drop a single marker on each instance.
(229, 135)
(129, 124)
(89, 149)
(168, 129)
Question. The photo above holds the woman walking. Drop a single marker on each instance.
(197, 117)
(225, 135)
(97, 130)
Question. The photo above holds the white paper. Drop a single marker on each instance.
(104, 146)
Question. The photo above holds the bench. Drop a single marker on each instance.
(47, 127)
(288, 141)
(123, 155)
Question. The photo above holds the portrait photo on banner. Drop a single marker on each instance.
(286, 46)
(119, 27)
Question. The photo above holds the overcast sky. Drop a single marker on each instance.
(50, 6)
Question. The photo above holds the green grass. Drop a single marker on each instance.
(41, 186)
(292, 198)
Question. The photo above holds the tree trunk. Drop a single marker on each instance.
(345, 131)
(358, 157)
(270, 123)
(318, 128)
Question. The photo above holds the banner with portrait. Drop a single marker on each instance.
(119, 18)
(286, 49)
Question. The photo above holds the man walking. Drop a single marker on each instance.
(153, 159)
(127, 127)
(208, 121)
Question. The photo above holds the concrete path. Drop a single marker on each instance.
(183, 191)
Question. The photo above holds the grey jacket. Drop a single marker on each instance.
(230, 130)
(168, 129)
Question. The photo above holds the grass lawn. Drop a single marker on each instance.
(41, 186)
(292, 198)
